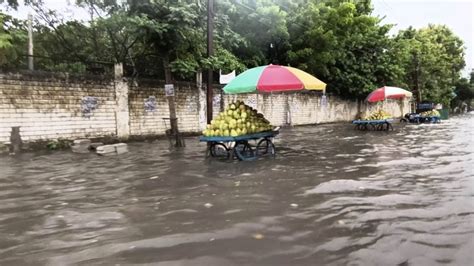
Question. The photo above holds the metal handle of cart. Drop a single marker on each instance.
(240, 148)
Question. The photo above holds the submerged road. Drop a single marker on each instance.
(332, 196)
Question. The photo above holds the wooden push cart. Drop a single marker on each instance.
(378, 125)
(240, 147)
(415, 118)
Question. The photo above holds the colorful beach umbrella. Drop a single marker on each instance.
(387, 92)
(273, 78)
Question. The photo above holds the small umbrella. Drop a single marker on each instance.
(387, 92)
(273, 78)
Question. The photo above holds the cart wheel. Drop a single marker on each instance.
(265, 146)
(244, 151)
(219, 150)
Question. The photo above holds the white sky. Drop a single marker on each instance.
(458, 15)
(60, 5)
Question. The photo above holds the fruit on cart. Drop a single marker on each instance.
(378, 115)
(430, 113)
(236, 120)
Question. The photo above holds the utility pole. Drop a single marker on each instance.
(210, 52)
(30, 42)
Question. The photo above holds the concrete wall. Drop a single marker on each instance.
(146, 121)
(304, 108)
(51, 106)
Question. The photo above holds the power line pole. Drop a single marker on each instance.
(30, 42)
(210, 52)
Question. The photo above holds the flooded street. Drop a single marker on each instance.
(332, 196)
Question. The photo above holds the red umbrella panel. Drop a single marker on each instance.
(388, 92)
(273, 78)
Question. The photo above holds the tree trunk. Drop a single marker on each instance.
(416, 78)
(179, 142)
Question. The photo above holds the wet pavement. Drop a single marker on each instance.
(332, 196)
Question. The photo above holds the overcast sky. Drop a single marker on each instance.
(456, 14)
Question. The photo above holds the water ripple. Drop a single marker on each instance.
(332, 195)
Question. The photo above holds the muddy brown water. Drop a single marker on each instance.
(332, 196)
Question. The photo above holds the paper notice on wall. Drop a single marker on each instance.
(169, 90)
(226, 78)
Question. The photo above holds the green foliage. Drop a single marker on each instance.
(263, 26)
(464, 90)
(5, 37)
(58, 144)
(340, 42)
(13, 37)
(77, 68)
(10, 3)
(107, 38)
(346, 47)
(432, 59)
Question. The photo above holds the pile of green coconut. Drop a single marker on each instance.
(236, 120)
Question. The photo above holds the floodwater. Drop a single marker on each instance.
(332, 196)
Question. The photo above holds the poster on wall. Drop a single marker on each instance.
(252, 101)
(150, 104)
(191, 103)
(216, 100)
(169, 90)
(88, 105)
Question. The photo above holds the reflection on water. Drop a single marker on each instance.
(332, 196)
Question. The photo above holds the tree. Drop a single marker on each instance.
(464, 90)
(343, 45)
(340, 42)
(432, 61)
(263, 26)
(171, 32)
(13, 37)
(104, 38)
(5, 40)
(10, 3)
